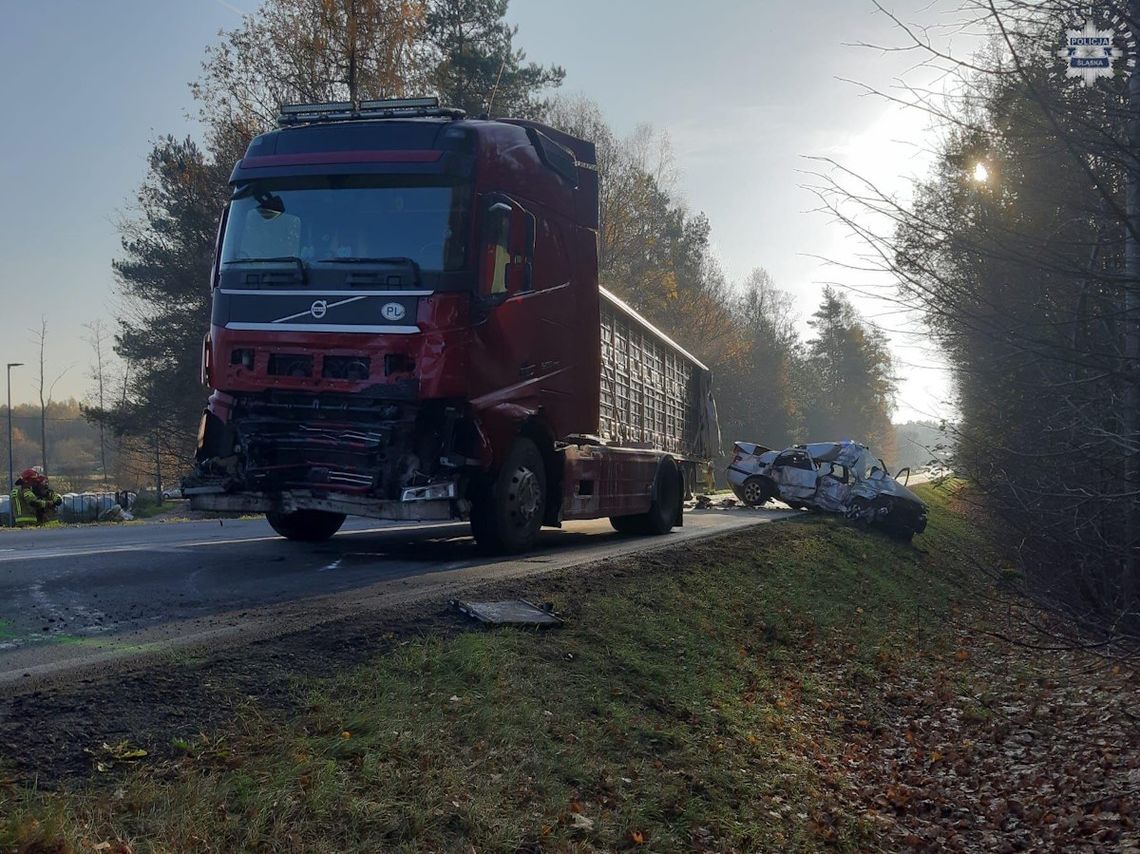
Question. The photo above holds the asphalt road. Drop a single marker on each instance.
(89, 597)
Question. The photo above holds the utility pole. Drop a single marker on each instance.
(11, 464)
(1131, 420)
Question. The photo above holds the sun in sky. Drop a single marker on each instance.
(981, 173)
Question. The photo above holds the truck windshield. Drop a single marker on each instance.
(339, 218)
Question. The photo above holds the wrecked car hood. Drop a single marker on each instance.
(882, 483)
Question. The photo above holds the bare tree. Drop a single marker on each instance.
(97, 339)
(46, 389)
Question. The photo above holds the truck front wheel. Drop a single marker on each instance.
(506, 514)
(306, 526)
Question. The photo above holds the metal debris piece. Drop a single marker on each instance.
(513, 612)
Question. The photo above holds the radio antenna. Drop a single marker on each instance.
(495, 88)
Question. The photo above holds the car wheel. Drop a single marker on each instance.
(754, 492)
(903, 535)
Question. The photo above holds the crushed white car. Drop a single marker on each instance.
(837, 477)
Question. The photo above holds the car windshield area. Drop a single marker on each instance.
(348, 219)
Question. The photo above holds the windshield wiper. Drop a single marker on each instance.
(391, 259)
(302, 268)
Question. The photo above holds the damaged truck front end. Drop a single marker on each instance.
(282, 453)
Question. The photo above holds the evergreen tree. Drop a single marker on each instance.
(164, 278)
(846, 379)
(478, 68)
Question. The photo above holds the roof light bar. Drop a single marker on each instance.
(398, 103)
(340, 111)
(326, 107)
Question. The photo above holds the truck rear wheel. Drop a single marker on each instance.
(507, 514)
(306, 526)
(664, 510)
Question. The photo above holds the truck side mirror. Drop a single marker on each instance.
(521, 245)
(507, 250)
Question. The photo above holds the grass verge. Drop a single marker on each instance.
(698, 698)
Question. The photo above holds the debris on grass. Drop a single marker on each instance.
(513, 612)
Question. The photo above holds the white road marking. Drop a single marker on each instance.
(39, 554)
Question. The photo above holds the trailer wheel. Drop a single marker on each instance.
(665, 510)
(507, 514)
(306, 526)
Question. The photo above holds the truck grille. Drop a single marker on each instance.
(334, 443)
(290, 365)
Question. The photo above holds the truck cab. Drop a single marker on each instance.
(405, 325)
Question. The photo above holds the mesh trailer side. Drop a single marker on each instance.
(651, 389)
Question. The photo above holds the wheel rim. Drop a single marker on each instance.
(524, 496)
(752, 493)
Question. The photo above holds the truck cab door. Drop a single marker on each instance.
(507, 330)
(535, 330)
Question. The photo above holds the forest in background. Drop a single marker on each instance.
(75, 454)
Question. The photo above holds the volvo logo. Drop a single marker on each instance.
(392, 311)
(319, 308)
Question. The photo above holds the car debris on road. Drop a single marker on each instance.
(835, 477)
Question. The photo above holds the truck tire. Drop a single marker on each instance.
(664, 510)
(506, 515)
(306, 526)
(754, 491)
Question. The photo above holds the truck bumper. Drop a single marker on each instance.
(207, 498)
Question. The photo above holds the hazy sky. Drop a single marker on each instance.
(745, 91)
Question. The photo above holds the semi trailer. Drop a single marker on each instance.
(407, 324)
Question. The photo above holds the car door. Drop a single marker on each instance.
(795, 475)
(834, 487)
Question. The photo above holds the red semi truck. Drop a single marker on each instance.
(407, 324)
